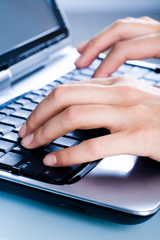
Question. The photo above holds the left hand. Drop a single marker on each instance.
(128, 108)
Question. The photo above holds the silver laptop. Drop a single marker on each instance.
(36, 56)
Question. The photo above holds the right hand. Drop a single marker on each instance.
(129, 39)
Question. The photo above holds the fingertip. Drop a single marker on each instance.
(81, 47)
(50, 160)
(27, 140)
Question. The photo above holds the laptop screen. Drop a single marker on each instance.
(27, 27)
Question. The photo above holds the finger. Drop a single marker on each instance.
(120, 30)
(137, 48)
(81, 47)
(99, 81)
(79, 117)
(93, 149)
(63, 97)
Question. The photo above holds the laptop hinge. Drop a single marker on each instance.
(29, 65)
(5, 79)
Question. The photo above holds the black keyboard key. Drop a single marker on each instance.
(65, 142)
(6, 146)
(58, 175)
(12, 136)
(32, 167)
(5, 129)
(52, 148)
(24, 151)
(9, 160)
(79, 135)
(21, 113)
(13, 121)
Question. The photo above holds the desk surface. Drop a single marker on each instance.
(23, 218)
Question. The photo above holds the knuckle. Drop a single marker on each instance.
(64, 157)
(31, 122)
(59, 91)
(72, 114)
(42, 136)
(120, 47)
(95, 148)
(118, 23)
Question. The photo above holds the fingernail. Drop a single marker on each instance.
(22, 131)
(50, 160)
(27, 140)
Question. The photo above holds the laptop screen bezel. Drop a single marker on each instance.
(24, 50)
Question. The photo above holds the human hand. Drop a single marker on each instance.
(129, 39)
(128, 108)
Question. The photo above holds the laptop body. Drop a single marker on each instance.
(127, 184)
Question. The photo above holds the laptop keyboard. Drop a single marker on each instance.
(29, 163)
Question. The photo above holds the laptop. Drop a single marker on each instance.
(36, 55)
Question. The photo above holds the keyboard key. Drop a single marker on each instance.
(65, 142)
(9, 160)
(124, 68)
(6, 146)
(6, 111)
(12, 136)
(32, 167)
(16, 129)
(80, 77)
(12, 121)
(24, 151)
(52, 148)
(95, 64)
(14, 106)
(157, 84)
(1, 154)
(30, 106)
(147, 81)
(48, 88)
(5, 129)
(138, 72)
(38, 99)
(87, 71)
(76, 134)
(21, 113)
(57, 175)
(2, 115)
(23, 101)
(153, 76)
(30, 96)
(39, 92)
